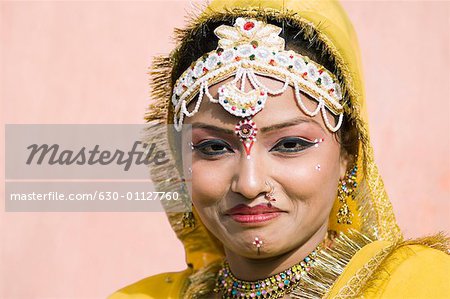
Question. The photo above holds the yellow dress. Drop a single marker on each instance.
(371, 259)
(408, 271)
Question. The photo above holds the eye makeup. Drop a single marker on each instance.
(287, 145)
(213, 147)
(292, 145)
(292, 139)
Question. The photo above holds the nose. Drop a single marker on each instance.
(250, 176)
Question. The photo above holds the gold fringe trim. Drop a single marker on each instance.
(157, 133)
(365, 209)
(160, 83)
(201, 283)
(330, 263)
(166, 176)
(439, 241)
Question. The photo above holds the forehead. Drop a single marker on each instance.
(277, 109)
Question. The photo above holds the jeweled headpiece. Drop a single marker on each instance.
(248, 48)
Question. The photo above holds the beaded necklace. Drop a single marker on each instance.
(274, 286)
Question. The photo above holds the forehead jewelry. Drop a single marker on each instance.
(269, 195)
(249, 48)
(246, 130)
(258, 243)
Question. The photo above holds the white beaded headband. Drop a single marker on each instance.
(248, 48)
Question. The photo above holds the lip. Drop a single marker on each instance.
(242, 209)
(260, 213)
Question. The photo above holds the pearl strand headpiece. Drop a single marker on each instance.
(248, 48)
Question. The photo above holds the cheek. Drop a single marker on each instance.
(208, 184)
(311, 179)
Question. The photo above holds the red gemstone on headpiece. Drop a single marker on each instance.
(249, 26)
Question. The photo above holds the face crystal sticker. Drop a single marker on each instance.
(258, 243)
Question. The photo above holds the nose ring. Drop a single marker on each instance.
(269, 195)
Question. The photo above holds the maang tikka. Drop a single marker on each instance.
(246, 130)
(346, 188)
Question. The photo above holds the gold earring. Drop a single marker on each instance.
(346, 189)
(188, 220)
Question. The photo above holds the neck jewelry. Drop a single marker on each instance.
(274, 286)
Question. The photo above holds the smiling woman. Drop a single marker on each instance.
(287, 201)
(286, 155)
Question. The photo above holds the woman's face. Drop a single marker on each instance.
(304, 175)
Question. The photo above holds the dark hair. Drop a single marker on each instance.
(204, 41)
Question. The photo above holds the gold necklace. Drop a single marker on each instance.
(274, 286)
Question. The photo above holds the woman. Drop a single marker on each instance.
(287, 201)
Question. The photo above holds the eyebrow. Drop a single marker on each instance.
(200, 125)
(290, 123)
(273, 127)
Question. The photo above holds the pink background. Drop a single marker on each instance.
(86, 62)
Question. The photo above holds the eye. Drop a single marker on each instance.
(292, 145)
(213, 147)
